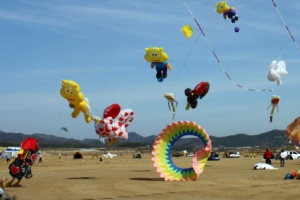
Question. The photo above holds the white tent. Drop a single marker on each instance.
(12, 151)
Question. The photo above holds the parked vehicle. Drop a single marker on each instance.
(190, 155)
(232, 154)
(176, 155)
(138, 155)
(292, 155)
(214, 156)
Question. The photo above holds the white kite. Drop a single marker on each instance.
(277, 69)
(263, 166)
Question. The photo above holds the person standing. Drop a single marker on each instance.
(7, 158)
(282, 158)
(268, 156)
(40, 158)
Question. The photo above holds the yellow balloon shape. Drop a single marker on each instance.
(70, 90)
(222, 7)
(155, 54)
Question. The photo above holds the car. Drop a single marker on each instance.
(138, 155)
(176, 155)
(292, 155)
(190, 155)
(234, 155)
(214, 156)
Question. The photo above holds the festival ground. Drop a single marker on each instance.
(123, 177)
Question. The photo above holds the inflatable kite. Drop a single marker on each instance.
(97, 121)
(227, 11)
(187, 31)
(113, 123)
(171, 100)
(274, 103)
(293, 132)
(70, 90)
(21, 166)
(277, 69)
(158, 59)
(162, 149)
(199, 91)
(259, 166)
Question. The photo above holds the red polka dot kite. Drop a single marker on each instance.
(113, 124)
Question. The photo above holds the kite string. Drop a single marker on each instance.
(190, 52)
(287, 28)
(186, 58)
(215, 55)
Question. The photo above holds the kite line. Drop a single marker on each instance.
(186, 58)
(190, 53)
(287, 28)
(215, 55)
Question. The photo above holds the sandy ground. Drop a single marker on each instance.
(123, 177)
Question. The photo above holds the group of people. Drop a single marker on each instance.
(268, 156)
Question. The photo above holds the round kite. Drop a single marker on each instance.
(162, 148)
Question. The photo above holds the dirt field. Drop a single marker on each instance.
(123, 177)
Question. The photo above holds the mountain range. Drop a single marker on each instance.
(273, 138)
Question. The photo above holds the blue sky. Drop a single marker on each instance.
(100, 45)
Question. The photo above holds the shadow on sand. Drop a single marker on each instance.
(147, 179)
(75, 178)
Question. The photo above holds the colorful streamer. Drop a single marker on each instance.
(287, 28)
(162, 148)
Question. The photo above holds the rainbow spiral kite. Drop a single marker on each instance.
(162, 148)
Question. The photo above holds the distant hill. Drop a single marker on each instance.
(274, 138)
